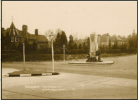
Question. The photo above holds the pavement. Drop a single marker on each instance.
(74, 85)
(65, 85)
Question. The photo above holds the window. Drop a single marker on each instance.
(16, 39)
(12, 39)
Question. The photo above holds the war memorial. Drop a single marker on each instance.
(94, 54)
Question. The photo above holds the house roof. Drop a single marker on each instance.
(32, 36)
(19, 32)
(41, 38)
(118, 39)
(13, 30)
(124, 39)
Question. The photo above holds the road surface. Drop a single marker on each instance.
(116, 81)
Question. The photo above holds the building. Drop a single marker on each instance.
(18, 36)
(103, 40)
(119, 41)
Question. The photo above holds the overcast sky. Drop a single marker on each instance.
(81, 17)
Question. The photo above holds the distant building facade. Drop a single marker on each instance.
(105, 40)
(119, 41)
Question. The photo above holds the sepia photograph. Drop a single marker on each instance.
(69, 50)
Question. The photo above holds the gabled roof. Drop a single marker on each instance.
(19, 32)
(32, 36)
(41, 38)
(118, 39)
(12, 25)
(115, 38)
(124, 39)
(13, 30)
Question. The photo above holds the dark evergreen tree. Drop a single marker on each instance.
(109, 43)
(80, 46)
(75, 46)
(71, 42)
(63, 39)
(88, 43)
(84, 46)
(58, 41)
(134, 40)
(3, 41)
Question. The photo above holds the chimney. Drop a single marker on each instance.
(24, 29)
(36, 32)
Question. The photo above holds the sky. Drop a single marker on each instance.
(79, 18)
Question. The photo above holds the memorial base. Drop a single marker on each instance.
(98, 63)
(94, 59)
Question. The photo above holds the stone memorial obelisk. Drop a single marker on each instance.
(93, 45)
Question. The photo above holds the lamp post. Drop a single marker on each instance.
(24, 55)
(52, 38)
(64, 52)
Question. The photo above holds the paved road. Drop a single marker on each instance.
(75, 82)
